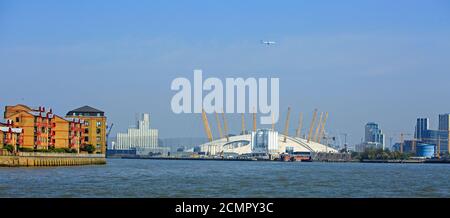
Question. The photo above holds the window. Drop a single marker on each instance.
(99, 123)
(17, 119)
(86, 138)
(86, 123)
(98, 138)
(98, 131)
(86, 130)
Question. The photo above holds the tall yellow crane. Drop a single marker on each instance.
(313, 121)
(300, 123)
(322, 130)
(219, 125)
(206, 125)
(243, 123)
(225, 126)
(286, 127)
(319, 125)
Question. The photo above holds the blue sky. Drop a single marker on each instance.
(382, 61)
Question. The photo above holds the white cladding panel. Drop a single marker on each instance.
(141, 138)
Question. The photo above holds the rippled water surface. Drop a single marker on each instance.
(180, 178)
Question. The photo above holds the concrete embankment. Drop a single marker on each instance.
(50, 159)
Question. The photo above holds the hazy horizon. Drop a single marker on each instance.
(381, 61)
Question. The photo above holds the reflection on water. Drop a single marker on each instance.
(170, 178)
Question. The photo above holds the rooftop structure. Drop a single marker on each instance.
(94, 128)
(142, 138)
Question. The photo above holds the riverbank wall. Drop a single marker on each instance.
(35, 159)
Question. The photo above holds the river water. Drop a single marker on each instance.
(190, 178)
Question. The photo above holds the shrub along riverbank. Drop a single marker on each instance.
(380, 154)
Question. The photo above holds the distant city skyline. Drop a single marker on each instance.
(361, 61)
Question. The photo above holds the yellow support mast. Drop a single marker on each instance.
(219, 125)
(286, 127)
(243, 123)
(319, 124)
(225, 126)
(254, 121)
(322, 130)
(206, 125)
(207, 130)
(300, 123)
(313, 121)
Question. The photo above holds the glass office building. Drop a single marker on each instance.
(374, 135)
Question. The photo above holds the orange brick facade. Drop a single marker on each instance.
(41, 129)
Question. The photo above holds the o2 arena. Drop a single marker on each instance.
(267, 141)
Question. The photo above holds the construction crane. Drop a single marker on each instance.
(225, 126)
(402, 141)
(107, 134)
(436, 141)
(322, 130)
(219, 125)
(312, 125)
(414, 141)
(319, 125)
(243, 123)
(300, 123)
(286, 127)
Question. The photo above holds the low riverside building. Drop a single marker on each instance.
(40, 129)
(67, 132)
(94, 128)
(10, 136)
(36, 125)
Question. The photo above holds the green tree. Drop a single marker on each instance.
(89, 148)
(9, 148)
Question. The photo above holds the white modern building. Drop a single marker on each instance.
(264, 141)
(140, 138)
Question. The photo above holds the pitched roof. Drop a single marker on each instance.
(86, 109)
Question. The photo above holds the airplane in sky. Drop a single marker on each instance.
(268, 42)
